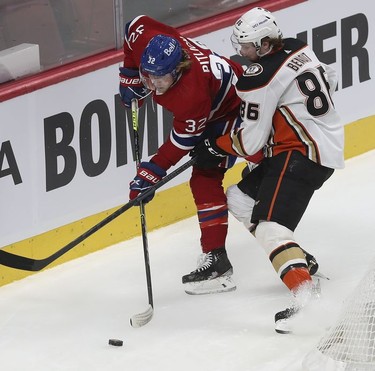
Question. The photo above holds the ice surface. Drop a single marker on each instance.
(62, 319)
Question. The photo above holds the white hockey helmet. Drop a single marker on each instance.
(253, 26)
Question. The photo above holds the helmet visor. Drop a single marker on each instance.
(159, 84)
(242, 48)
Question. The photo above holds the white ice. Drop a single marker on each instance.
(62, 318)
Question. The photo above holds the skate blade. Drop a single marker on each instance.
(213, 286)
(320, 275)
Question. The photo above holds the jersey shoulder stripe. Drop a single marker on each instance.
(260, 73)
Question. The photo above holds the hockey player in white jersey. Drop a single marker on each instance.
(287, 110)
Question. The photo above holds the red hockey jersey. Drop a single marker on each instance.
(204, 95)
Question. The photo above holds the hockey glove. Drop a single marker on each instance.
(148, 174)
(131, 87)
(207, 154)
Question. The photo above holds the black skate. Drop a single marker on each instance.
(282, 323)
(312, 264)
(212, 275)
(304, 295)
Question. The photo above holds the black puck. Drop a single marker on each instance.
(115, 342)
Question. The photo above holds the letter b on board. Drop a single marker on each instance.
(58, 134)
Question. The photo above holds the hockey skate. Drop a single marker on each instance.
(313, 266)
(305, 293)
(213, 274)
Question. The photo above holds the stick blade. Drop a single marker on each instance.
(141, 319)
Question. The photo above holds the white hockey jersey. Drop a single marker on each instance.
(287, 105)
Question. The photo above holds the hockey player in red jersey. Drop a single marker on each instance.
(197, 86)
(287, 110)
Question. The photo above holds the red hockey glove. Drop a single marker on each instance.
(148, 174)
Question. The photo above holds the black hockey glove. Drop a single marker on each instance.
(207, 154)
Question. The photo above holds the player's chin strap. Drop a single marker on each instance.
(29, 264)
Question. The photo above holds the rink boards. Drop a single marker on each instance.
(66, 155)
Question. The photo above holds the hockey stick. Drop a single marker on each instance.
(141, 319)
(28, 264)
